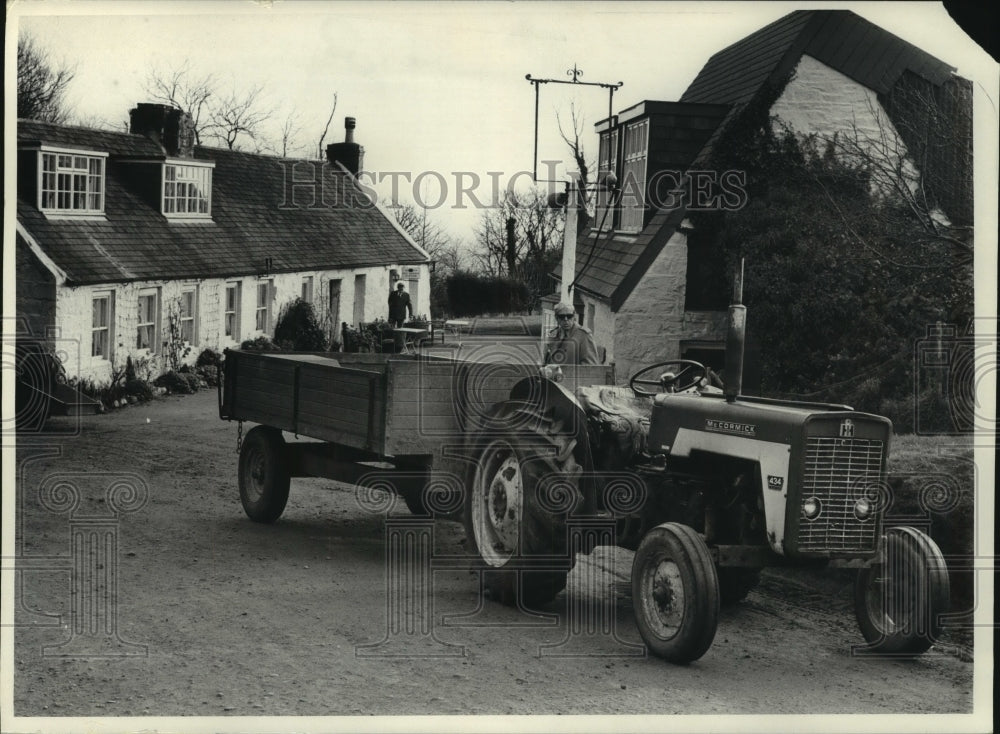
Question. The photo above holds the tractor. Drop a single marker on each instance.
(707, 486)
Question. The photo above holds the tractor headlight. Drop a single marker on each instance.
(811, 508)
(863, 509)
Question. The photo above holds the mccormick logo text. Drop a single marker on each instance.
(740, 429)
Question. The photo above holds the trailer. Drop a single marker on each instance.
(342, 415)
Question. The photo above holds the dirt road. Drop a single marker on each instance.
(213, 615)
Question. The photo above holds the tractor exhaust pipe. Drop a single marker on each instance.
(735, 337)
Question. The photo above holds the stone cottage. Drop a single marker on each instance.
(133, 244)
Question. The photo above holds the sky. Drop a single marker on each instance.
(436, 88)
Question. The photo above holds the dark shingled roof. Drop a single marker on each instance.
(251, 220)
(840, 39)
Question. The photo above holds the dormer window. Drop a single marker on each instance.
(187, 190)
(71, 182)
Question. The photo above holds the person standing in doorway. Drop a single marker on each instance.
(399, 306)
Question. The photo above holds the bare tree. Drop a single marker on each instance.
(320, 151)
(186, 91)
(425, 232)
(583, 166)
(519, 235)
(41, 85)
(903, 175)
(239, 114)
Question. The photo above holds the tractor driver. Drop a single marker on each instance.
(570, 342)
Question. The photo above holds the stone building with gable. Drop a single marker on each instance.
(641, 285)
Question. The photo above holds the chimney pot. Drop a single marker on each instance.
(349, 154)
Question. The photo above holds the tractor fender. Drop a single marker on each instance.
(543, 395)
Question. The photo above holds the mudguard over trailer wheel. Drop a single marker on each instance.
(900, 598)
(675, 592)
(263, 474)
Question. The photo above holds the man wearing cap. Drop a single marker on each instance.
(399, 305)
(570, 343)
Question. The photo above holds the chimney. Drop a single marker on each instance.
(168, 126)
(349, 154)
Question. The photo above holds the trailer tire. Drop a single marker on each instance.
(899, 600)
(735, 583)
(263, 474)
(524, 484)
(675, 592)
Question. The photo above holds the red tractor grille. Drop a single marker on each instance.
(838, 473)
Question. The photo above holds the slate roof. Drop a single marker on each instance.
(250, 221)
(840, 39)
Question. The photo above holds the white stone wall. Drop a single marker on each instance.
(822, 101)
(651, 324)
(74, 314)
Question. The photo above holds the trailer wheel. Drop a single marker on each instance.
(523, 486)
(263, 474)
(899, 599)
(675, 592)
(735, 583)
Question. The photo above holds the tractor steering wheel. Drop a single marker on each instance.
(688, 374)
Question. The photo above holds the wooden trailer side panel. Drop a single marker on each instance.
(345, 406)
(309, 395)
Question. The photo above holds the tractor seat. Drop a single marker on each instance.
(621, 416)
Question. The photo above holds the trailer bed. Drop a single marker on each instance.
(389, 405)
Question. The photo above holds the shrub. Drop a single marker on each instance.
(208, 357)
(298, 329)
(209, 373)
(178, 382)
(260, 344)
(139, 389)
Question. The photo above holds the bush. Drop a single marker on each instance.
(208, 357)
(260, 344)
(209, 373)
(298, 329)
(139, 389)
(183, 383)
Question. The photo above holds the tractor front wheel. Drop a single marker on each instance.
(675, 592)
(900, 598)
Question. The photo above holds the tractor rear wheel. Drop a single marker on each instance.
(675, 592)
(522, 488)
(899, 599)
(263, 474)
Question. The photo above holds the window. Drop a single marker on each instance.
(187, 191)
(100, 326)
(188, 314)
(263, 305)
(633, 201)
(72, 183)
(607, 162)
(307, 289)
(146, 336)
(232, 311)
